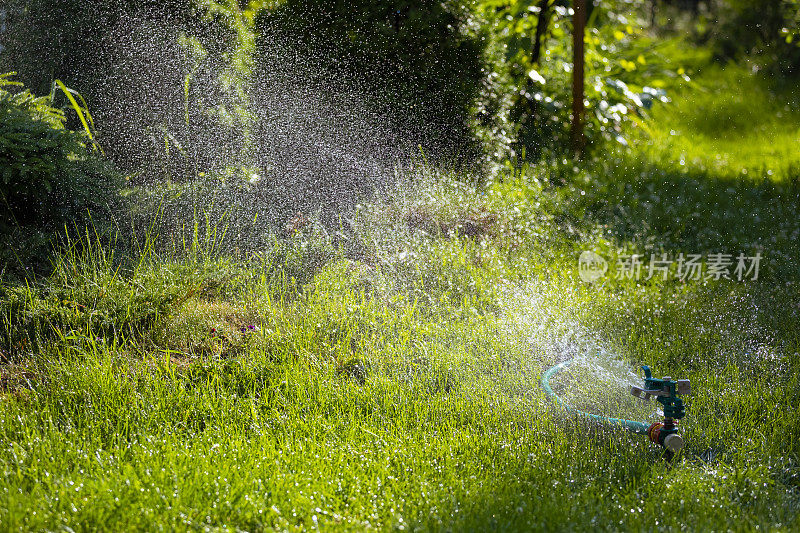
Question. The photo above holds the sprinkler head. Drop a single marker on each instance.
(666, 393)
(660, 388)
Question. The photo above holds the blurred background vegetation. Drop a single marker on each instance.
(482, 86)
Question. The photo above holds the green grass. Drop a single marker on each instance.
(400, 390)
(732, 122)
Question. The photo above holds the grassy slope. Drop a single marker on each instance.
(737, 125)
(402, 391)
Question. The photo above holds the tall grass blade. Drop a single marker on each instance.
(82, 112)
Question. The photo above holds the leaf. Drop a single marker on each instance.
(79, 110)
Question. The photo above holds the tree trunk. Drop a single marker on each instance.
(578, 24)
(541, 29)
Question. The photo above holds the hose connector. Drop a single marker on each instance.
(667, 438)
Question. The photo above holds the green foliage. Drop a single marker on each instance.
(49, 176)
(766, 30)
(82, 111)
(176, 382)
(422, 64)
(626, 72)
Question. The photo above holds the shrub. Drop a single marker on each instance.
(421, 64)
(164, 78)
(49, 176)
(766, 29)
(625, 74)
(63, 39)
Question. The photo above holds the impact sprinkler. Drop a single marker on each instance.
(666, 393)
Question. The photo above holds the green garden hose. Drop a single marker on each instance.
(631, 425)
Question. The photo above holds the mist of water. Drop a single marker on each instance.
(545, 324)
(291, 144)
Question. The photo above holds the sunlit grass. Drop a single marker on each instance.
(732, 122)
(391, 381)
(400, 392)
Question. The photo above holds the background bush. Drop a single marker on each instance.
(625, 73)
(50, 179)
(421, 64)
(768, 30)
(164, 79)
(49, 175)
(64, 39)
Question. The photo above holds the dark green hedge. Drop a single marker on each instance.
(768, 30)
(132, 60)
(419, 63)
(64, 39)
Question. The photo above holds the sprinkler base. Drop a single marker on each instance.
(666, 436)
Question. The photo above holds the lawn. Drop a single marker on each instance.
(393, 382)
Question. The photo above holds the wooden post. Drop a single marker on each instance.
(578, 25)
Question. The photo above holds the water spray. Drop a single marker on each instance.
(665, 390)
